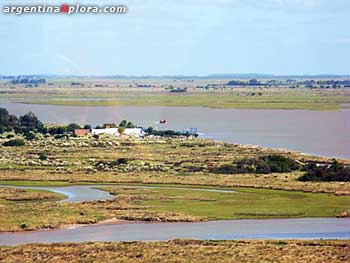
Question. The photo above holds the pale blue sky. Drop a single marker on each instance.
(189, 37)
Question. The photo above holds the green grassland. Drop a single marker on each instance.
(163, 205)
(245, 203)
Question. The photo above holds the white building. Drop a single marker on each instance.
(137, 132)
(111, 131)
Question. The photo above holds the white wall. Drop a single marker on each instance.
(114, 131)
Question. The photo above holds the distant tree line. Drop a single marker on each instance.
(168, 133)
(28, 81)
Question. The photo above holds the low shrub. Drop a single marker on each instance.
(262, 165)
(29, 136)
(14, 142)
(42, 156)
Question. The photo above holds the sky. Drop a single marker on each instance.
(180, 37)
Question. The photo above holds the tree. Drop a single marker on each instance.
(121, 129)
(12, 120)
(58, 130)
(30, 121)
(123, 123)
(130, 125)
(87, 126)
(149, 130)
(71, 127)
(4, 116)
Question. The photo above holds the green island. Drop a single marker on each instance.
(212, 93)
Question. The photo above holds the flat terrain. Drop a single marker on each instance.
(20, 212)
(162, 162)
(150, 161)
(201, 93)
(183, 251)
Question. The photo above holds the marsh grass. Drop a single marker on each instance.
(182, 251)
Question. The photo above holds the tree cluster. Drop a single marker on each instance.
(262, 165)
(326, 173)
(24, 124)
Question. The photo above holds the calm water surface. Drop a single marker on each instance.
(85, 193)
(307, 228)
(313, 132)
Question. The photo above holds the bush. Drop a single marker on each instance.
(121, 129)
(58, 130)
(71, 127)
(29, 136)
(262, 165)
(326, 173)
(111, 164)
(121, 161)
(130, 125)
(42, 156)
(61, 136)
(14, 142)
(123, 123)
(9, 136)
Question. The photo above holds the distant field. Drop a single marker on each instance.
(227, 97)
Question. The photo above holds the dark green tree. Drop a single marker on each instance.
(30, 121)
(71, 127)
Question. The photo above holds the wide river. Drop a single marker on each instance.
(305, 228)
(313, 132)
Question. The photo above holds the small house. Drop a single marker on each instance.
(81, 132)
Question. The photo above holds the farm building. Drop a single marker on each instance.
(81, 132)
(111, 131)
(137, 132)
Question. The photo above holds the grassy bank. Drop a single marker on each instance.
(246, 203)
(167, 205)
(183, 251)
(10, 196)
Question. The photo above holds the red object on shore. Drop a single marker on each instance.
(162, 121)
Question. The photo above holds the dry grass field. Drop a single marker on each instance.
(183, 251)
